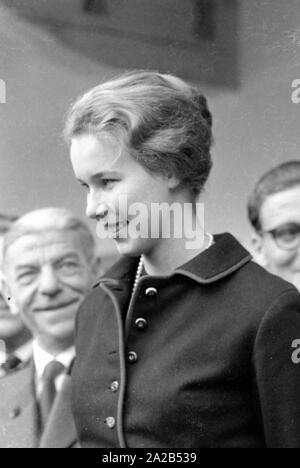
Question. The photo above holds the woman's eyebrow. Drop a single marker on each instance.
(100, 175)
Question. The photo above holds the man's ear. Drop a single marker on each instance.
(259, 251)
(6, 294)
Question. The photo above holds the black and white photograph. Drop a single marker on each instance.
(149, 226)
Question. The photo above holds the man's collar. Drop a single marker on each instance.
(24, 352)
(226, 256)
(42, 358)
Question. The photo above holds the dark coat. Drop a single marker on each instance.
(19, 420)
(205, 359)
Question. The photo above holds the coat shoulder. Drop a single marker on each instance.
(257, 293)
(12, 385)
(261, 283)
(18, 413)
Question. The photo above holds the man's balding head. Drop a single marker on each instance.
(44, 220)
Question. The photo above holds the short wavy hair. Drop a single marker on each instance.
(280, 178)
(164, 122)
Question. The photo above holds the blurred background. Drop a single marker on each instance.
(243, 54)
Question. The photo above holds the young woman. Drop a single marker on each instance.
(176, 346)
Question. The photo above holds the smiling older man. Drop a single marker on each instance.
(49, 265)
(15, 338)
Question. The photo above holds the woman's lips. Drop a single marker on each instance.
(115, 228)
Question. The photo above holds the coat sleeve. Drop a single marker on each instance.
(276, 361)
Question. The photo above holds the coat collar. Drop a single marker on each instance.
(225, 257)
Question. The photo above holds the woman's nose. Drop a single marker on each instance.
(101, 212)
(95, 208)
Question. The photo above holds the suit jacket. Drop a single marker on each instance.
(202, 358)
(19, 418)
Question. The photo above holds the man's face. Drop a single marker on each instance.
(48, 276)
(280, 210)
(108, 173)
(10, 325)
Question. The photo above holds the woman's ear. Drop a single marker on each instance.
(259, 251)
(172, 181)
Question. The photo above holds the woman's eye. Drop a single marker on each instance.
(108, 182)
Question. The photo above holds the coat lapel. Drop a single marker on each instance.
(60, 431)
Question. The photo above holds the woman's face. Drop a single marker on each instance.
(110, 175)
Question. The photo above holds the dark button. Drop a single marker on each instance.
(14, 413)
(111, 422)
(114, 386)
(151, 292)
(141, 323)
(132, 357)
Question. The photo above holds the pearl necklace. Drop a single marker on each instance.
(141, 263)
(138, 275)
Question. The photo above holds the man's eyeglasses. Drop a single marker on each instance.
(287, 236)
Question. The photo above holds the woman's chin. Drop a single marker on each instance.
(131, 247)
(125, 246)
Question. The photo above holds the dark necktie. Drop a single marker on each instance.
(52, 370)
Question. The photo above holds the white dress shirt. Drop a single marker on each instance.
(24, 352)
(41, 359)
